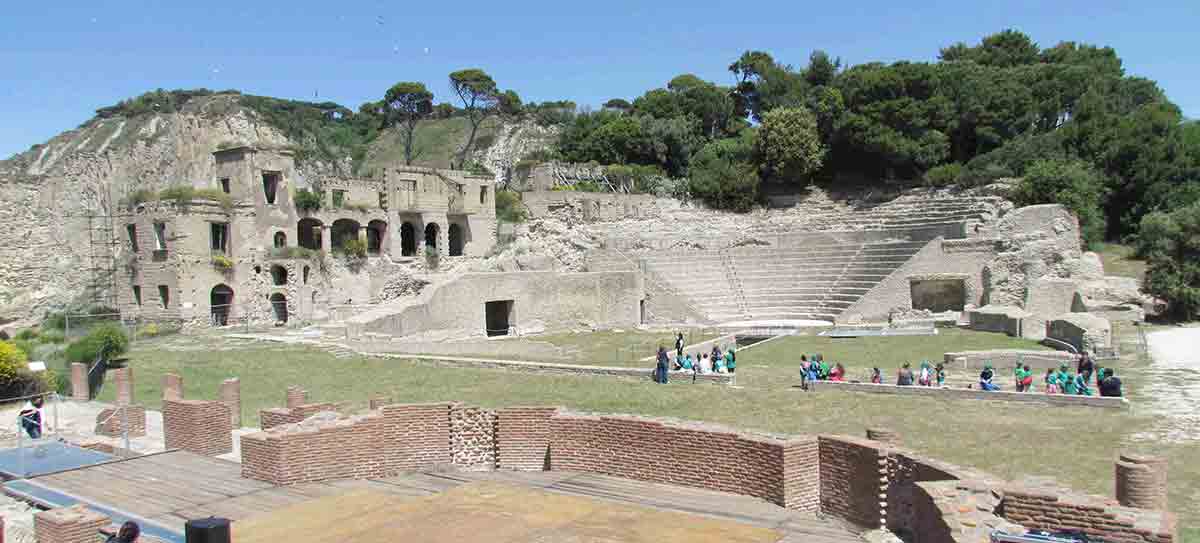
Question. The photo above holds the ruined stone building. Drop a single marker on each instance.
(263, 257)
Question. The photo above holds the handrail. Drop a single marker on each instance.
(1060, 342)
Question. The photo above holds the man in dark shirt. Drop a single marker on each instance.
(1086, 366)
(1110, 386)
(905, 376)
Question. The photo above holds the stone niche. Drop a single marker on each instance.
(939, 292)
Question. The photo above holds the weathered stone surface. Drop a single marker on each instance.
(1083, 330)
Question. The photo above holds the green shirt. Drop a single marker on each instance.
(1067, 381)
(729, 361)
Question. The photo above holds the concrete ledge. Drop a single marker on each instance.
(570, 369)
(973, 394)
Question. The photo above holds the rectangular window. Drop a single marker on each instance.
(270, 185)
(339, 198)
(164, 294)
(483, 195)
(219, 235)
(383, 200)
(408, 185)
(131, 229)
(224, 185)
(137, 295)
(160, 236)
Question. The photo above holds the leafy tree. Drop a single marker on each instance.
(444, 111)
(764, 84)
(480, 98)
(1003, 50)
(509, 207)
(1071, 182)
(723, 173)
(405, 104)
(1171, 243)
(788, 145)
(821, 69)
(509, 103)
(618, 104)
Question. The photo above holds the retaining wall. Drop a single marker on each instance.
(973, 394)
(1002, 359)
(568, 369)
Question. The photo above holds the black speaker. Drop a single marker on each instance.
(207, 530)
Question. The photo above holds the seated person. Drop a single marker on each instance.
(1110, 386)
(926, 376)
(876, 376)
(985, 379)
(904, 377)
(705, 364)
(838, 373)
(719, 365)
(823, 370)
(1081, 385)
(687, 362)
(940, 371)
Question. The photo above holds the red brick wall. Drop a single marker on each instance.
(1041, 510)
(853, 475)
(199, 426)
(699, 456)
(523, 438)
(383, 443)
(68, 525)
(275, 416)
(172, 387)
(231, 396)
(110, 421)
(123, 380)
(801, 476)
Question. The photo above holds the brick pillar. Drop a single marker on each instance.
(231, 396)
(75, 524)
(123, 379)
(172, 387)
(883, 435)
(79, 382)
(1141, 481)
(296, 397)
(376, 403)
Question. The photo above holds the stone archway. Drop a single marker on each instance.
(280, 240)
(376, 236)
(279, 275)
(308, 234)
(408, 239)
(455, 234)
(220, 301)
(342, 231)
(431, 236)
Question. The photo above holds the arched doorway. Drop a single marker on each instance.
(408, 240)
(308, 234)
(343, 230)
(456, 240)
(431, 236)
(279, 307)
(279, 275)
(280, 240)
(221, 303)
(376, 235)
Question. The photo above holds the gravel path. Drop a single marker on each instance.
(1173, 391)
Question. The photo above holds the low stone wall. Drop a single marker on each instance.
(698, 456)
(973, 394)
(569, 369)
(1001, 359)
(199, 426)
(1056, 509)
(1084, 331)
(1000, 319)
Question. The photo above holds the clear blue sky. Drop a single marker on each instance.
(60, 60)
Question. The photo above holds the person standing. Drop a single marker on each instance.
(660, 371)
(31, 417)
(1086, 366)
(904, 377)
(730, 359)
(679, 346)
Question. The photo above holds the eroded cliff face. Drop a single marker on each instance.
(45, 251)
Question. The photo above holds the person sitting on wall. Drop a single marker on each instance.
(904, 377)
(716, 355)
(925, 378)
(730, 359)
(838, 373)
(31, 417)
(129, 533)
(1086, 366)
(822, 368)
(1051, 382)
(805, 369)
(1066, 380)
(719, 365)
(1026, 378)
(677, 364)
(1081, 386)
(687, 363)
(1110, 386)
(940, 371)
(705, 364)
(876, 376)
(985, 379)
(660, 369)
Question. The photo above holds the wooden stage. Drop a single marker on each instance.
(164, 490)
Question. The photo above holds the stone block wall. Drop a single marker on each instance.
(112, 421)
(523, 438)
(472, 438)
(1002, 359)
(999, 319)
(695, 456)
(853, 475)
(199, 426)
(973, 394)
(1084, 331)
(1054, 510)
(68, 525)
(382, 443)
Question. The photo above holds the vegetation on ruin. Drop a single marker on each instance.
(108, 340)
(354, 249)
(182, 196)
(156, 101)
(509, 207)
(222, 263)
(308, 200)
(294, 253)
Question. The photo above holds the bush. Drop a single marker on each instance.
(293, 252)
(222, 262)
(107, 340)
(1168, 241)
(944, 175)
(182, 195)
(51, 336)
(355, 248)
(12, 362)
(24, 345)
(1073, 183)
(149, 330)
(27, 334)
(307, 200)
(723, 175)
(222, 199)
(509, 207)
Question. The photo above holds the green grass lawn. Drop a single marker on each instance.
(1119, 260)
(621, 349)
(1074, 445)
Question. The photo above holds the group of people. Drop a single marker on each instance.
(815, 368)
(722, 359)
(1062, 380)
(928, 375)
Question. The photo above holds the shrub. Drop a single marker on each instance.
(1073, 183)
(477, 168)
(509, 207)
(24, 345)
(307, 200)
(182, 195)
(1168, 240)
(944, 175)
(107, 340)
(723, 175)
(293, 252)
(27, 334)
(149, 330)
(12, 361)
(222, 262)
(51, 336)
(355, 248)
(139, 196)
(222, 199)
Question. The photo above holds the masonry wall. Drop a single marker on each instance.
(853, 476)
(974, 394)
(1003, 359)
(473, 438)
(1046, 510)
(954, 259)
(523, 438)
(113, 421)
(199, 426)
(278, 416)
(68, 525)
(591, 206)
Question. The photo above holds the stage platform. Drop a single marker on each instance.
(46, 457)
(161, 491)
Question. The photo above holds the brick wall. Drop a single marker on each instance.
(1040, 509)
(382, 443)
(199, 426)
(472, 438)
(79, 384)
(904, 471)
(172, 387)
(68, 525)
(231, 396)
(123, 380)
(111, 421)
(853, 480)
(277, 416)
(523, 438)
(699, 456)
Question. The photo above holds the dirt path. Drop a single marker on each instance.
(1172, 393)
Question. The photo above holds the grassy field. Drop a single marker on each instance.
(622, 349)
(1074, 445)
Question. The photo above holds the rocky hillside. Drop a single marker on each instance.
(49, 189)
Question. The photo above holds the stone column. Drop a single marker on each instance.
(296, 397)
(231, 395)
(1141, 481)
(326, 238)
(883, 435)
(172, 387)
(123, 378)
(75, 524)
(79, 382)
